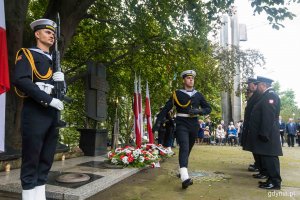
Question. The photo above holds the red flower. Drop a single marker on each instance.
(161, 153)
(112, 155)
(130, 158)
(128, 154)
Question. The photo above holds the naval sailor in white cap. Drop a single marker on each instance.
(33, 80)
(189, 104)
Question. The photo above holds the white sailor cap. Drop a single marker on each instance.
(188, 73)
(264, 79)
(43, 24)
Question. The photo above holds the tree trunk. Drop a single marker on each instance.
(15, 13)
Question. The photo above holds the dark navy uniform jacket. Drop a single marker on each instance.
(197, 101)
(264, 123)
(23, 76)
(250, 104)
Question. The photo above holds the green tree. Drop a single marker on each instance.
(155, 38)
(288, 103)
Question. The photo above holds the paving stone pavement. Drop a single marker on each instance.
(101, 178)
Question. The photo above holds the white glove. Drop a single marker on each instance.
(58, 76)
(45, 87)
(56, 103)
(41, 85)
(48, 88)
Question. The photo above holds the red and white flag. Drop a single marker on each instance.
(4, 75)
(138, 139)
(148, 115)
(141, 118)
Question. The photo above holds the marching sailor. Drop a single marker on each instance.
(189, 104)
(34, 80)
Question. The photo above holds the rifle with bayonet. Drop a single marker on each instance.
(60, 87)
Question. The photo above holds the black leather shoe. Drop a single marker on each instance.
(259, 176)
(270, 186)
(252, 168)
(263, 182)
(187, 183)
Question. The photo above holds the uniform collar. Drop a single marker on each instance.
(190, 93)
(268, 89)
(38, 50)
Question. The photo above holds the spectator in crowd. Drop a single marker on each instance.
(232, 134)
(207, 135)
(281, 130)
(226, 133)
(201, 132)
(220, 135)
(240, 131)
(298, 131)
(291, 130)
(209, 124)
(223, 125)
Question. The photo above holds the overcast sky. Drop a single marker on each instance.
(281, 48)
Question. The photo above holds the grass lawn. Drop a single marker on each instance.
(227, 178)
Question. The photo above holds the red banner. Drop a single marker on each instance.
(148, 115)
(4, 74)
(138, 138)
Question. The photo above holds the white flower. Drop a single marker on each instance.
(127, 151)
(155, 152)
(118, 150)
(109, 154)
(141, 159)
(114, 160)
(125, 160)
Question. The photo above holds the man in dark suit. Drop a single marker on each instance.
(281, 129)
(264, 132)
(291, 130)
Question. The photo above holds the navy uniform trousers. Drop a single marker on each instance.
(39, 139)
(272, 167)
(186, 134)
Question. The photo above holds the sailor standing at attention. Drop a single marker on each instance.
(34, 80)
(189, 104)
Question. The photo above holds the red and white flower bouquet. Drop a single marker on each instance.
(147, 155)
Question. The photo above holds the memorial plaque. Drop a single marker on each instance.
(96, 89)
